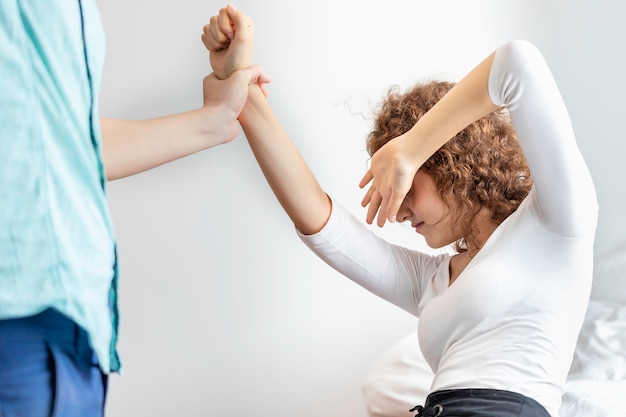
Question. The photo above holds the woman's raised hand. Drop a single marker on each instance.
(229, 37)
(390, 177)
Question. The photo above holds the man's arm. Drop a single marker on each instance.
(133, 146)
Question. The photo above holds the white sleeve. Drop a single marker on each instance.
(564, 198)
(389, 271)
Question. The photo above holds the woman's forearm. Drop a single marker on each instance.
(465, 103)
(292, 181)
(394, 165)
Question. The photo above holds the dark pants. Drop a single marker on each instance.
(479, 403)
(48, 369)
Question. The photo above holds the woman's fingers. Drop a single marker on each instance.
(375, 200)
(214, 37)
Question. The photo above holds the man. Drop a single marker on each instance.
(58, 260)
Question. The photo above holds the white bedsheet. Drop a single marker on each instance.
(593, 398)
(596, 384)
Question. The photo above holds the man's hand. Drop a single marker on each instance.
(228, 97)
(230, 39)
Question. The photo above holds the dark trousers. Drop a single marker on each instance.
(479, 403)
(48, 369)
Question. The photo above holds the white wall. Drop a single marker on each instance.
(224, 311)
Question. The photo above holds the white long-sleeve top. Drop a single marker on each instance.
(511, 319)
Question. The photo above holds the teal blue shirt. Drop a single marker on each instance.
(57, 247)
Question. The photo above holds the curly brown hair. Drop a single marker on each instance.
(481, 168)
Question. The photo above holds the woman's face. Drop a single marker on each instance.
(428, 214)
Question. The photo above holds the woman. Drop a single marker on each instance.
(499, 319)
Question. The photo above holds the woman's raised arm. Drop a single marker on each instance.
(287, 173)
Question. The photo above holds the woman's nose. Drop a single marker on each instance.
(405, 212)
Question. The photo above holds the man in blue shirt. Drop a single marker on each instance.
(58, 262)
